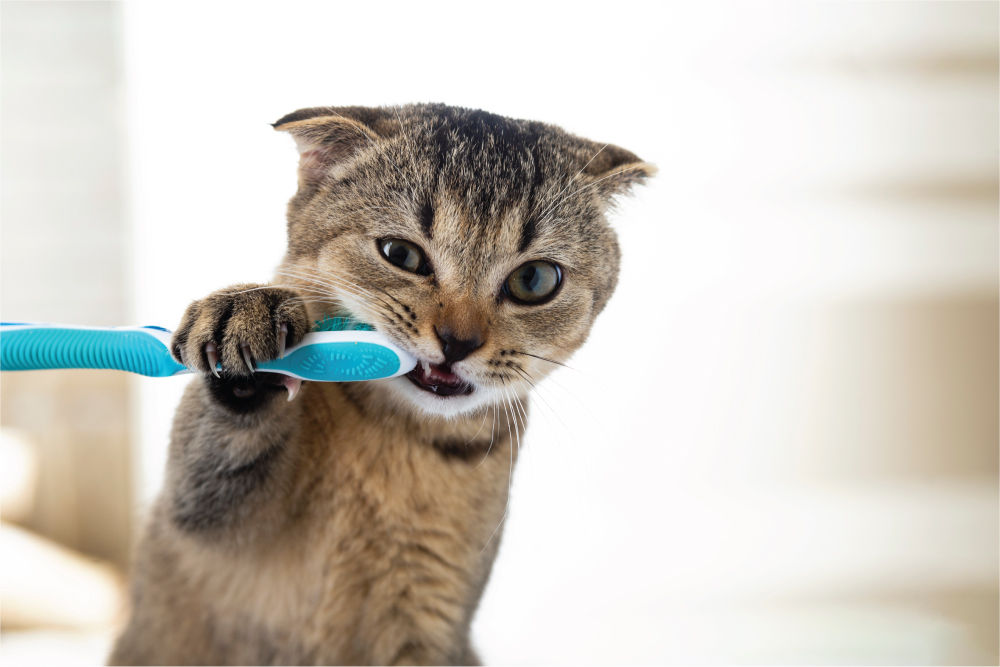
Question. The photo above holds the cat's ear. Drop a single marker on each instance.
(326, 136)
(614, 171)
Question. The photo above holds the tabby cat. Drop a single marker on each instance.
(357, 524)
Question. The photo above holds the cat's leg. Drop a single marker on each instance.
(168, 623)
(470, 657)
(419, 611)
(231, 441)
(231, 456)
(420, 633)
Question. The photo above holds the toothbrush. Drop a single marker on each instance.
(344, 351)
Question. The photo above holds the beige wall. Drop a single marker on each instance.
(62, 259)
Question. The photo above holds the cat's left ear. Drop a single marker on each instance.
(327, 136)
(614, 171)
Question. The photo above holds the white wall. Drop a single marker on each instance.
(773, 443)
(62, 139)
(62, 259)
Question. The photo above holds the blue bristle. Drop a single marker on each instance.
(341, 324)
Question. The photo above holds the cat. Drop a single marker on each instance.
(358, 523)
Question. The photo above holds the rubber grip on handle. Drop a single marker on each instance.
(25, 349)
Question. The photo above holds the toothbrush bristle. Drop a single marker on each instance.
(341, 324)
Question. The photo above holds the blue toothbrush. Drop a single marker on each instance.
(350, 353)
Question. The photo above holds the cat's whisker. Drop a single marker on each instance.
(541, 358)
(335, 281)
(316, 296)
(314, 299)
(534, 387)
(336, 300)
(368, 290)
(323, 281)
(514, 443)
(304, 290)
(545, 407)
(310, 290)
(511, 425)
(554, 382)
(560, 393)
(306, 275)
(258, 288)
(569, 183)
(516, 402)
(378, 296)
(351, 289)
(512, 397)
(587, 186)
(479, 430)
(310, 282)
(493, 428)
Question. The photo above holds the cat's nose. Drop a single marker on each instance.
(455, 348)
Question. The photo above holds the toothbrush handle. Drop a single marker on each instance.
(142, 350)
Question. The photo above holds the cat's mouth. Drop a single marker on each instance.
(439, 380)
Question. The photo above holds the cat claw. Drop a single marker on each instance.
(282, 339)
(292, 385)
(245, 349)
(212, 357)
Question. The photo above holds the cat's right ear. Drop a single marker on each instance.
(324, 141)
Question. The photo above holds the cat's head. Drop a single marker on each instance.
(477, 242)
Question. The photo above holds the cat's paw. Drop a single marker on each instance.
(228, 332)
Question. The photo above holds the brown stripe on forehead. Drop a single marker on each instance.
(488, 160)
(427, 217)
(530, 226)
(528, 232)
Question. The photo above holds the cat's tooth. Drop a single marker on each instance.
(292, 385)
(426, 365)
(245, 349)
(212, 357)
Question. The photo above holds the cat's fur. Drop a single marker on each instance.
(358, 523)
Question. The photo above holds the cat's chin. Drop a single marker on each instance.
(406, 393)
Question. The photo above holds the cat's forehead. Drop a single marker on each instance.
(495, 187)
(486, 164)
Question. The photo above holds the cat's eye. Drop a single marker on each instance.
(533, 283)
(405, 255)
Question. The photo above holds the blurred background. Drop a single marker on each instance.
(804, 466)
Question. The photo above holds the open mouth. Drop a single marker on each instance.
(438, 379)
